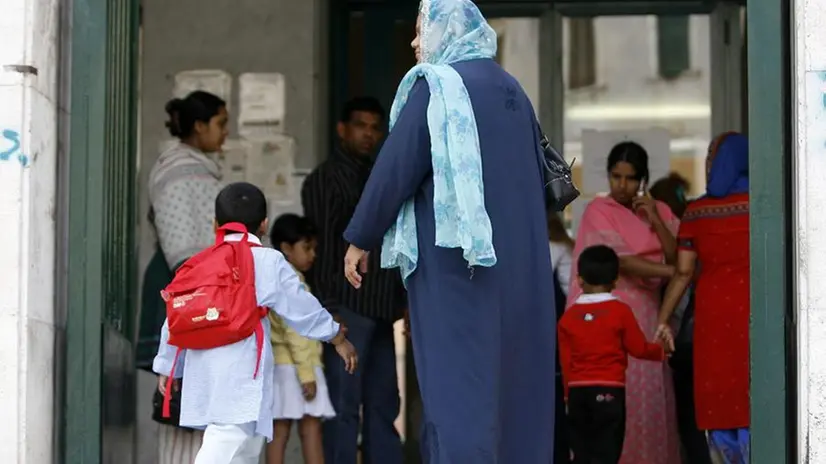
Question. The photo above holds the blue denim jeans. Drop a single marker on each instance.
(373, 390)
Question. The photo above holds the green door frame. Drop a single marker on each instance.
(773, 353)
(98, 251)
(773, 361)
(84, 330)
(773, 411)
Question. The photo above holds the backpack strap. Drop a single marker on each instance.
(259, 348)
(235, 227)
(167, 397)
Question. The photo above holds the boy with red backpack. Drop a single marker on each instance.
(215, 333)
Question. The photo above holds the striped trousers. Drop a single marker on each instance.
(178, 446)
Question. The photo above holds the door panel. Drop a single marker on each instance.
(119, 215)
(100, 250)
(119, 172)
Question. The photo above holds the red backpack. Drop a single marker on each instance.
(211, 301)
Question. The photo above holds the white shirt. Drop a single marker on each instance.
(561, 258)
(218, 383)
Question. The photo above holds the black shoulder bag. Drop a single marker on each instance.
(560, 190)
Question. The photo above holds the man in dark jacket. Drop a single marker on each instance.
(329, 197)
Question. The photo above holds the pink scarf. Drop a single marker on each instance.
(606, 222)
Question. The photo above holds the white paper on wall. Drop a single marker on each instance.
(597, 144)
(270, 166)
(233, 161)
(214, 81)
(262, 102)
(278, 208)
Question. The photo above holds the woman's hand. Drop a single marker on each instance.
(355, 264)
(664, 336)
(648, 205)
(162, 380)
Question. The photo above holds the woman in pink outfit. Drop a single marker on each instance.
(642, 232)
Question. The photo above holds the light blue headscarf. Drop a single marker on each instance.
(451, 31)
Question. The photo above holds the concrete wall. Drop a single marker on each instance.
(28, 115)
(242, 36)
(286, 36)
(809, 111)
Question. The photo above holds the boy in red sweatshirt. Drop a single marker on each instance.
(596, 335)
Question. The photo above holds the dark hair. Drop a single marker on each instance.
(184, 113)
(291, 228)
(598, 265)
(241, 202)
(365, 104)
(633, 154)
(672, 191)
(674, 179)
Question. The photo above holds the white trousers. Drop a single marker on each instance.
(230, 444)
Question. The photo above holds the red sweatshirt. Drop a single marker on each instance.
(596, 335)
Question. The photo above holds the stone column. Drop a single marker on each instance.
(28, 154)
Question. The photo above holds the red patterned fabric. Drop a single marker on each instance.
(717, 229)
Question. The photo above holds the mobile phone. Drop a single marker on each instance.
(642, 190)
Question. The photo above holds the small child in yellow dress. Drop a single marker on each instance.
(300, 389)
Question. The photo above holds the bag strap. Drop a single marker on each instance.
(166, 412)
(235, 227)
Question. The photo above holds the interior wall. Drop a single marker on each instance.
(242, 36)
(284, 36)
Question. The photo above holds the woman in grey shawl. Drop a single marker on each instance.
(183, 185)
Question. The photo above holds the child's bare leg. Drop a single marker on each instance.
(309, 428)
(278, 446)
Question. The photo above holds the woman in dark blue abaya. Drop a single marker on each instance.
(455, 201)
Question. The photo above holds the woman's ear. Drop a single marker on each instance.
(200, 127)
(214, 225)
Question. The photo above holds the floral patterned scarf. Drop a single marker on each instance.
(452, 31)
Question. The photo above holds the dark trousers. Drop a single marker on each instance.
(372, 391)
(561, 444)
(597, 424)
(693, 439)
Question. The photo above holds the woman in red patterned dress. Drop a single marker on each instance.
(713, 243)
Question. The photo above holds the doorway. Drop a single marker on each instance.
(687, 79)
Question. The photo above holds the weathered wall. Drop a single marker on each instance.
(809, 110)
(286, 36)
(28, 154)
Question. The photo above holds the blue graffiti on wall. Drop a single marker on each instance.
(13, 137)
